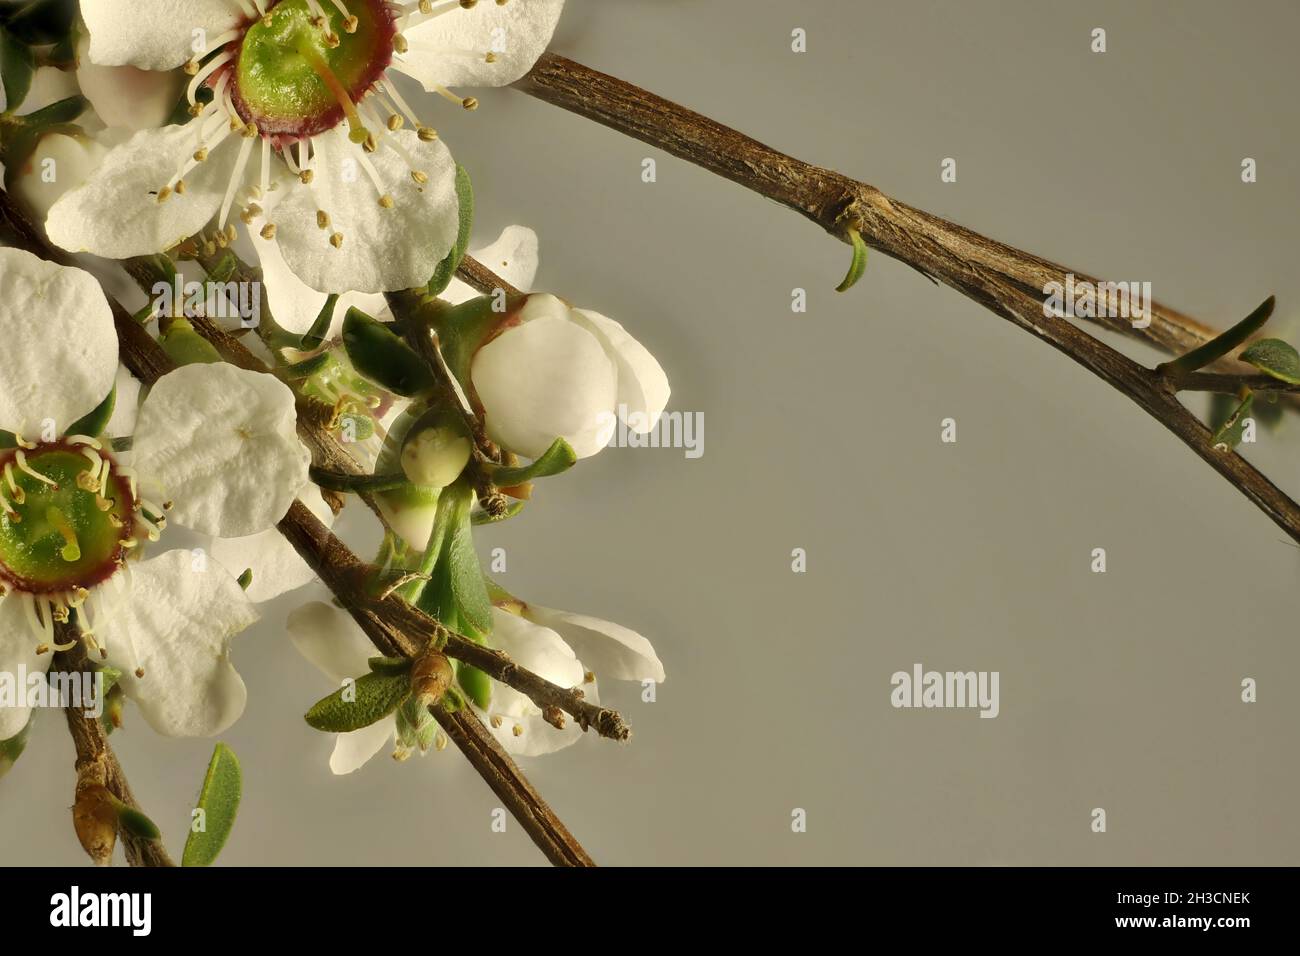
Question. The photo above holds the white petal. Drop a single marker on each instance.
(513, 257)
(222, 443)
(642, 385)
(609, 649)
(540, 650)
(59, 163)
(58, 341)
(352, 750)
(17, 654)
(128, 97)
(126, 408)
(295, 304)
(452, 49)
(154, 34)
(116, 212)
(543, 379)
(277, 567)
(176, 620)
(329, 638)
(383, 250)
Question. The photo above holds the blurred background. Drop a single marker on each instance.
(1118, 690)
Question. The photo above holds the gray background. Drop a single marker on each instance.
(1118, 690)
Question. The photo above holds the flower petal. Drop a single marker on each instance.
(609, 649)
(155, 35)
(222, 442)
(276, 566)
(17, 654)
(128, 97)
(70, 159)
(60, 346)
(513, 257)
(451, 49)
(116, 212)
(540, 650)
(382, 250)
(546, 378)
(295, 304)
(642, 384)
(330, 639)
(175, 620)
(352, 750)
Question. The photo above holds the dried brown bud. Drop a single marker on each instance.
(95, 819)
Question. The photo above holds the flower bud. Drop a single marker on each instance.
(59, 163)
(94, 817)
(435, 457)
(553, 371)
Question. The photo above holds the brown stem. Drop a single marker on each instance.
(97, 764)
(1006, 280)
(947, 252)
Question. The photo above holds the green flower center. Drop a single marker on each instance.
(57, 532)
(298, 73)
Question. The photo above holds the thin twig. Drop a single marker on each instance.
(97, 763)
(1006, 280)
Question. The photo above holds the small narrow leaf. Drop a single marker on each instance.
(1228, 435)
(16, 68)
(374, 697)
(343, 481)
(390, 666)
(858, 265)
(63, 111)
(135, 822)
(315, 336)
(382, 357)
(94, 422)
(1276, 358)
(219, 801)
(446, 269)
(556, 459)
(1222, 344)
(482, 517)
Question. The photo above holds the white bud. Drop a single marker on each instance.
(435, 457)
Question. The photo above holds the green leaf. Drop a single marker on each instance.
(315, 336)
(12, 749)
(17, 65)
(476, 684)
(245, 580)
(219, 801)
(1276, 358)
(375, 697)
(1228, 435)
(390, 666)
(134, 821)
(184, 346)
(482, 517)
(64, 111)
(1221, 345)
(343, 481)
(94, 422)
(446, 270)
(556, 459)
(858, 265)
(382, 357)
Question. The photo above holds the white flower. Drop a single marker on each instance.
(215, 444)
(330, 639)
(560, 372)
(302, 136)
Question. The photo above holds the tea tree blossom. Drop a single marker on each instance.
(298, 130)
(330, 639)
(215, 450)
(548, 370)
